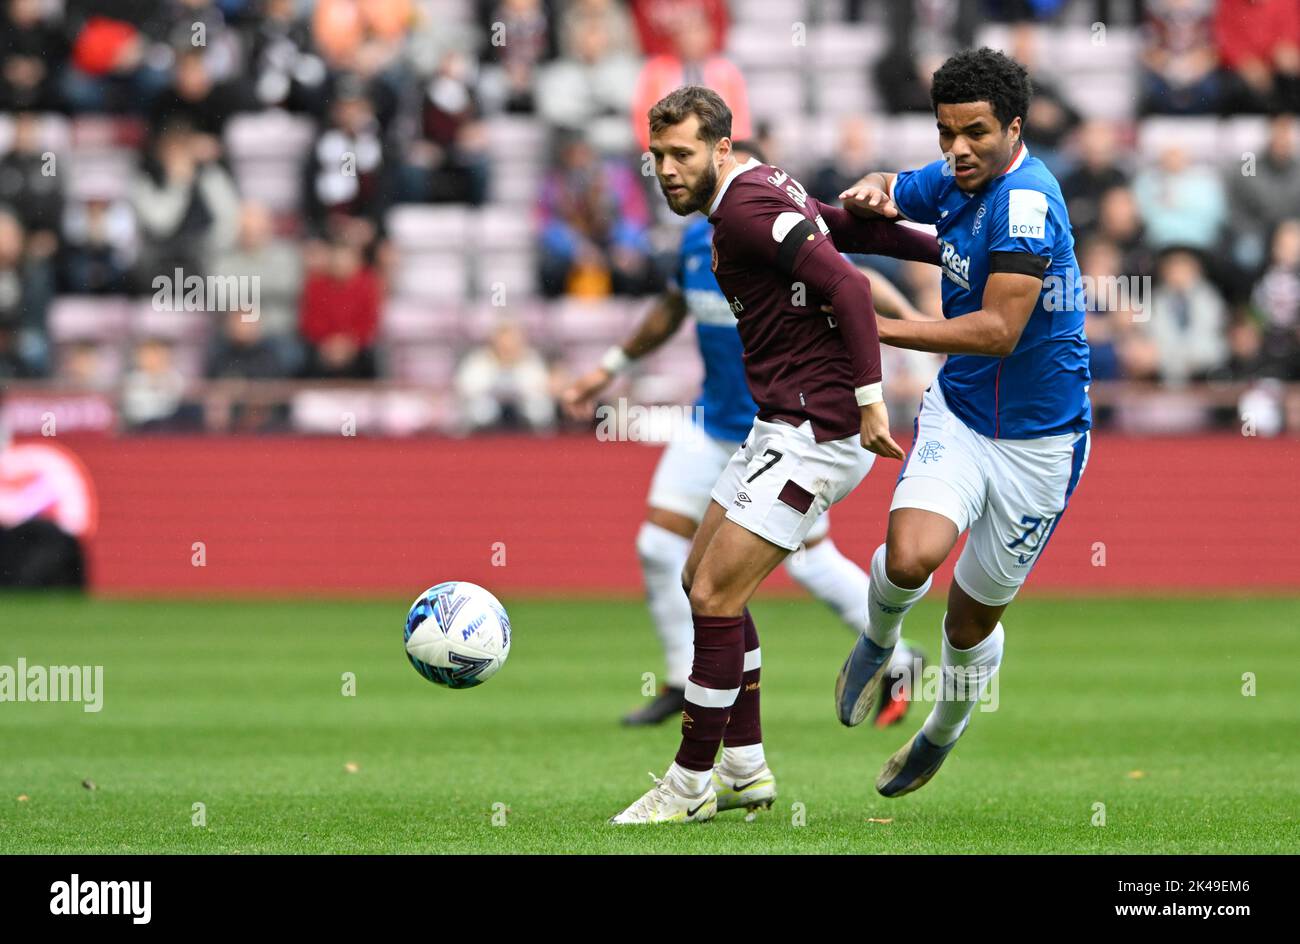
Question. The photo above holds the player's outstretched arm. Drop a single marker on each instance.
(1009, 300)
(659, 324)
(870, 197)
(883, 237)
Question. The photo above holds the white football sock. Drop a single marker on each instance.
(966, 673)
(663, 555)
(888, 604)
(688, 783)
(741, 761)
(834, 579)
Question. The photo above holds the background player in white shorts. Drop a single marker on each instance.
(696, 456)
(1002, 437)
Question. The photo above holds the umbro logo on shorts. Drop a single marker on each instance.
(742, 499)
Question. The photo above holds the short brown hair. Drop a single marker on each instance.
(706, 104)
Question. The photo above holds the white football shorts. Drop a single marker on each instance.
(780, 483)
(1010, 494)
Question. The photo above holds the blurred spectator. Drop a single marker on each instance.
(186, 204)
(1188, 320)
(922, 34)
(339, 315)
(448, 162)
(284, 69)
(13, 366)
(1262, 199)
(1119, 222)
(26, 286)
(153, 391)
(1180, 204)
(109, 71)
(659, 21)
(1100, 263)
(242, 352)
(31, 186)
(1098, 171)
(852, 157)
(346, 182)
(593, 90)
(82, 365)
(1180, 66)
(1276, 305)
(1259, 48)
(504, 384)
(195, 99)
(621, 39)
(361, 35)
(276, 265)
(32, 50)
(693, 61)
(594, 224)
(1051, 117)
(99, 247)
(520, 37)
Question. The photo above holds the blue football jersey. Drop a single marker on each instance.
(1040, 388)
(728, 408)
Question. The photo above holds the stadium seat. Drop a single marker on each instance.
(513, 271)
(421, 227)
(87, 318)
(431, 276)
(844, 46)
(147, 321)
(1198, 136)
(764, 45)
(405, 321)
(775, 93)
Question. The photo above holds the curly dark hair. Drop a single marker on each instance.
(984, 75)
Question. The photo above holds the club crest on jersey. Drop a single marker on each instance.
(955, 266)
(932, 451)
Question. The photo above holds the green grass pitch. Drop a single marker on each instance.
(1136, 704)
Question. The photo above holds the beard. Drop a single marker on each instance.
(695, 197)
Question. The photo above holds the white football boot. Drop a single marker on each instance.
(753, 791)
(662, 804)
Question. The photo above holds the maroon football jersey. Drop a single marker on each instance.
(776, 264)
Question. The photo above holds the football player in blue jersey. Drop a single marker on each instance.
(1002, 437)
(690, 465)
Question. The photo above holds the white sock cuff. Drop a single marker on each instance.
(742, 761)
(655, 541)
(987, 650)
(887, 590)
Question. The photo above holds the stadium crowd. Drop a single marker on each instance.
(141, 141)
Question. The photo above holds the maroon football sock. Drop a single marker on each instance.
(744, 728)
(711, 690)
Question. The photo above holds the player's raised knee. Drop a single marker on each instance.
(708, 599)
(907, 568)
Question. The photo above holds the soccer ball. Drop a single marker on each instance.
(457, 634)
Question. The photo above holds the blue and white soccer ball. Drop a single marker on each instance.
(457, 634)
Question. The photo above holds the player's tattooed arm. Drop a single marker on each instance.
(870, 197)
(995, 329)
(659, 324)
